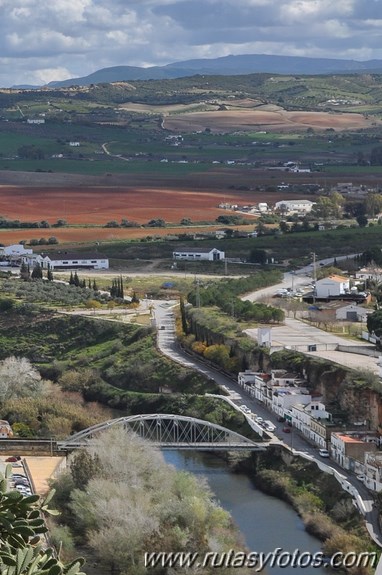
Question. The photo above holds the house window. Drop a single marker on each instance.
(93, 261)
(75, 262)
(65, 262)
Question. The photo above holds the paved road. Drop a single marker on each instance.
(164, 316)
(295, 333)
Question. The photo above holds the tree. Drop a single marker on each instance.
(135, 298)
(24, 272)
(6, 304)
(284, 227)
(36, 272)
(49, 275)
(83, 468)
(148, 503)
(258, 256)
(373, 204)
(362, 221)
(60, 223)
(18, 378)
(157, 223)
(93, 304)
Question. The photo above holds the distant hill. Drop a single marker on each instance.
(226, 66)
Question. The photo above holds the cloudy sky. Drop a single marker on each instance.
(44, 40)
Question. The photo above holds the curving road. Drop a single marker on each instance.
(167, 343)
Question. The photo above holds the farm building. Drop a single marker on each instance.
(14, 251)
(294, 206)
(332, 286)
(199, 254)
(353, 312)
(62, 261)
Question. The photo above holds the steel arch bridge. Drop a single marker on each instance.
(168, 432)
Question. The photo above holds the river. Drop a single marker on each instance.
(264, 521)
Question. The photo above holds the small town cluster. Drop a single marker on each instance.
(286, 395)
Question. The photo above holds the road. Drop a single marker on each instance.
(166, 340)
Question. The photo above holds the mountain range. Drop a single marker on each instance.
(226, 66)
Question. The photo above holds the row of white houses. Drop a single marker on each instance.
(285, 395)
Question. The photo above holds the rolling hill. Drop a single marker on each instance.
(227, 66)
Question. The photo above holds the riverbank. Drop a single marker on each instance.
(326, 510)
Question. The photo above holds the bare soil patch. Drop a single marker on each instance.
(99, 205)
(92, 207)
(276, 120)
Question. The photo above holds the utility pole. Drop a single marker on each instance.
(314, 277)
(314, 268)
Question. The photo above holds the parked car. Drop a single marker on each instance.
(286, 429)
(323, 453)
(361, 477)
(13, 458)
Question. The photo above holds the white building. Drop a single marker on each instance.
(262, 207)
(294, 206)
(283, 399)
(373, 471)
(15, 250)
(65, 260)
(308, 419)
(332, 286)
(349, 450)
(35, 121)
(353, 312)
(199, 254)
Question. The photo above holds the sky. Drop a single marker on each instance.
(45, 40)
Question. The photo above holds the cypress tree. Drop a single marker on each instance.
(95, 287)
(24, 271)
(71, 279)
(36, 272)
(76, 279)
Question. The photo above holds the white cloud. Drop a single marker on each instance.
(76, 37)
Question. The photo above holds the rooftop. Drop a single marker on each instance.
(335, 278)
(349, 439)
(72, 256)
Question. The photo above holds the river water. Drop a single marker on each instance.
(265, 522)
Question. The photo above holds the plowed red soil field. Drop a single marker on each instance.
(87, 207)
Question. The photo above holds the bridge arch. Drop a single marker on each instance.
(169, 432)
